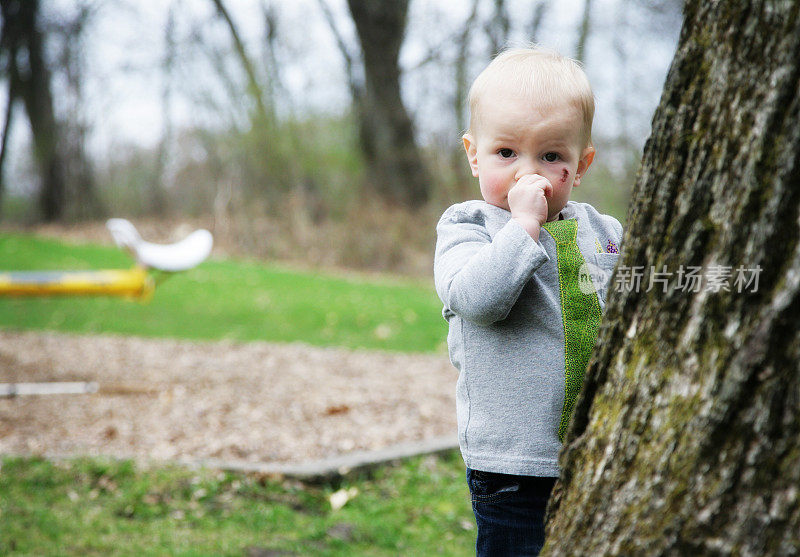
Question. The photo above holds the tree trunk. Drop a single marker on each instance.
(686, 438)
(32, 83)
(396, 169)
(9, 115)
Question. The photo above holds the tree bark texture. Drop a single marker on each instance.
(397, 172)
(686, 437)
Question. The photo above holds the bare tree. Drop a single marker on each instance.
(82, 200)
(354, 83)
(537, 17)
(271, 41)
(9, 115)
(29, 79)
(254, 87)
(583, 31)
(156, 195)
(498, 28)
(462, 89)
(686, 437)
(396, 168)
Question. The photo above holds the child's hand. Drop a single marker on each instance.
(527, 200)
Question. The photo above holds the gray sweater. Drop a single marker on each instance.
(501, 299)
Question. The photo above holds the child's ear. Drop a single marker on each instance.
(471, 147)
(583, 164)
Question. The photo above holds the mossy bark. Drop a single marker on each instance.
(686, 437)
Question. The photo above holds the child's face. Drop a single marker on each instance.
(514, 138)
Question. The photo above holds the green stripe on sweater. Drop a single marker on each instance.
(580, 312)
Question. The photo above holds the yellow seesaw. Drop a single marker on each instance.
(135, 282)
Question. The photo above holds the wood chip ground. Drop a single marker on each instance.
(255, 402)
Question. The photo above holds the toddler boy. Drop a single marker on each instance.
(511, 272)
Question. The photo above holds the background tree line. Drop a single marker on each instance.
(263, 155)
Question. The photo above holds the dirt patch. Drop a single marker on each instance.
(254, 402)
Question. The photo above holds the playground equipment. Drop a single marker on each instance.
(163, 259)
(136, 282)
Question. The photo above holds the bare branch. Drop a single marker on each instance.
(583, 33)
(253, 86)
(356, 88)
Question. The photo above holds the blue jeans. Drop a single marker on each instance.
(509, 511)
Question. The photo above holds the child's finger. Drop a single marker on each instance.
(546, 186)
(535, 180)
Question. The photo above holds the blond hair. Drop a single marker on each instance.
(536, 73)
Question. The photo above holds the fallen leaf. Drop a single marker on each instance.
(340, 409)
(340, 498)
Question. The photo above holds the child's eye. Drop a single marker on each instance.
(506, 153)
(551, 157)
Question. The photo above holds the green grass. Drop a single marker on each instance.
(101, 507)
(234, 300)
(95, 506)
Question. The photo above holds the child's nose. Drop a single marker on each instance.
(526, 167)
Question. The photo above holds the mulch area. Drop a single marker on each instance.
(253, 403)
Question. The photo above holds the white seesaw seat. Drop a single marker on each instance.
(180, 256)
